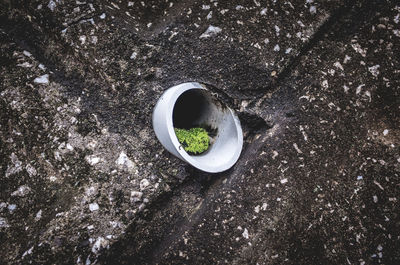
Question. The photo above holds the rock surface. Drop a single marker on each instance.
(85, 181)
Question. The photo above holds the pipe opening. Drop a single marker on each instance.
(189, 109)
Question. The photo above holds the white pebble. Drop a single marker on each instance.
(93, 207)
(44, 79)
(245, 233)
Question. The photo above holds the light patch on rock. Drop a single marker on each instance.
(325, 84)
(257, 209)
(26, 53)
(385, 132)
(21, 191)
(211, 32)
(283, 181)
(38, 215)
(123, 160)
(93, 207)
(358, 89)
(144, 183)
(374, 70)
(209, 16)
(82, 39)
(136, 196)
(102, 16)
(297, 148)
(357, 48)
(133, 55)
(338, 65)
(264, 206)
(44, 79)
(92, 160)
(11, 207)
(313, 10)
(277, 48)
(31, 170)
(3, 223)
(245, 233)
(100, 244)
(263, 12)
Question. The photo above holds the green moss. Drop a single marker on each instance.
(195, 140)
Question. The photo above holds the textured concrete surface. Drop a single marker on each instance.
(85, 181)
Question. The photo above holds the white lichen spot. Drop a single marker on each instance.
(31, 170)
(325, 84)
(93, 207)
(144, 183)
(263, 12)
(385, 132)
(3, 223)
(338, 65)
(257, 209)
(26, 53)
(346, 59)
(92, 160)
(288, 50)
(359, 88)
(123, 160)
(274, 154)
(396, 32)
(277, 48)
(133, 55)
(11, 207)
(313, 10)
(44, 79)
(102, 16)
(374, 70)
(264, 206)
(38, 215)
(205, 7)
(283, 181)
(245, 233)
(136, 196)
(21, 191)
(277, 29)
(210, 32)
(100, 244)
(297, 148)
(52, 5)
(375, 198)
(82, 39)
(209, 16)
(357, 48)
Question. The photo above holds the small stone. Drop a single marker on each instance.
(21, 191)
(3, 223)
(93, 207)
(144, 183)
(210, 32)
(245, 233)
(44, 79)
(136, 196)
(100, 244)
(38, 215)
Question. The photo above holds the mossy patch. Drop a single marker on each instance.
(194, 141)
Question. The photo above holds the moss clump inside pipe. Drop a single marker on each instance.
(194, 140)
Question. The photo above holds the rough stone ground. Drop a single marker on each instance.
(85, 181)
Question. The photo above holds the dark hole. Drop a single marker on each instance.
(188, 109)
